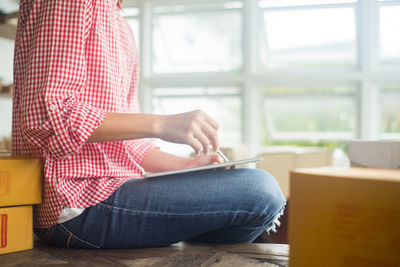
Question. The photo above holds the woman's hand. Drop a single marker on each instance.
(194, 128)
(203, 160)
(158, 161)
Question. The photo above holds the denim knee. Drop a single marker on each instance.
(267, 196)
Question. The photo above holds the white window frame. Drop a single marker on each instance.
(367, 75)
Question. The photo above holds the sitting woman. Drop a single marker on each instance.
(75, 105)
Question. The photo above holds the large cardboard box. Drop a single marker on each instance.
(344, 217)
(20, 181)
(16, 231)
(280, 160)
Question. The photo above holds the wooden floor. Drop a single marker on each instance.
(180, 254)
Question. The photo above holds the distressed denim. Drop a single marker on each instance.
(216, 206)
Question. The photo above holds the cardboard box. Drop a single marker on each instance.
(279, 161)
(344, 217)
(16, 232)
(375, 154)
(236, 152)
(20, 181)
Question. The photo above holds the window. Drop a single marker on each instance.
(6, 78)
(389, 38)
(197, 37)
(390, 112)
(310, 113)
(297, 34)
(310, 75)
(6, 110)
(224, 104)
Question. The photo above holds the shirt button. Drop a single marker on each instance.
(53, 107)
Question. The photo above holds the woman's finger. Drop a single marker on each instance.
(205, 160)
(203, 139)
(195, 144)
(212, 136)
(215, 158)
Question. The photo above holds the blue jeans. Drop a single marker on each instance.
(216, 206)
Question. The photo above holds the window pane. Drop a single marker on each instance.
(130, 11)
(6, 116)
(222, 104)
(9, 6)
(197, 38)
(314, 113)
(389, 42)
(6, 59)
(309, 37)
(390, 112)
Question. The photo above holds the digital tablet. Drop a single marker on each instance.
(206, 167)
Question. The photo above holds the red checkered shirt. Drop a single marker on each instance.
(74, 61)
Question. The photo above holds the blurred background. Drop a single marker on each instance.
(286, 73)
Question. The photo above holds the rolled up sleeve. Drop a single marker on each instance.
(72, 127)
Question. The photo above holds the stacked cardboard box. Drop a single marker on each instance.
(20, 188)
(364, 153)
(236, 152)
(344, 217)
(280, 160)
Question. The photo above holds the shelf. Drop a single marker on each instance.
(8, 30)
(8, 25)
(6, 91)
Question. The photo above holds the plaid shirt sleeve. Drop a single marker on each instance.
(56, 120)
(74, 60)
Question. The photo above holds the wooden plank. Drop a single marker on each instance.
(261, 249)
(33, 257)
(179, 254)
